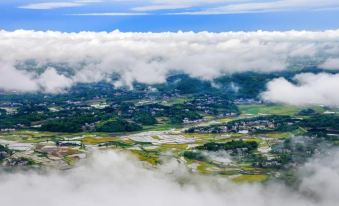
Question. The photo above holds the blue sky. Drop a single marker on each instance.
(169, 15)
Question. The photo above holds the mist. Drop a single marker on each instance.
(115, 178)
(309, 89)
(52, 62)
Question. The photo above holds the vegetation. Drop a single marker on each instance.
(232, 132)
(4, 152)
(61, 126)
(144, 118)
(232, 145)
(250, 178)
(327, 122)
(117, 125)
(194, 155)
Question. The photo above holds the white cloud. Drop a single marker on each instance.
(150, 57)
(57, 4)
(331, 63)
(161, 7)
(12, 79)
(154, 5)
(267, 6)
(311, 89)
(112, 14)
(52, 82)
(51, 5)
(195, 7)
(15, 80)
(113, 178)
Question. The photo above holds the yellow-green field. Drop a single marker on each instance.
(97, 140)
(274, 109)
(150, 157)
(249, 178)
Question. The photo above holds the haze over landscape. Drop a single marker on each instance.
(158, 102)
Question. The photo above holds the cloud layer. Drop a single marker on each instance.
(319, 89)
(193, 7)
(116, 179)
(268, 6)
(58, 4)
(49, 81)
(30, 57)
(331, 64)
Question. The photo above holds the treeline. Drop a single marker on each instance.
(322, 125)
(232, 145)
(117, 125)
(147, 114)
(20, 119)
(322, 122)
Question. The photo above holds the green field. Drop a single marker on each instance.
(275, 109)
(250, 178)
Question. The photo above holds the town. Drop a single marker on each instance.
(209, 130)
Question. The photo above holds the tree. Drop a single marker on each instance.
(117, 125)
(144, 118)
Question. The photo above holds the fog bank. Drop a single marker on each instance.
(54, 61)
(308, 89)
(114, 178)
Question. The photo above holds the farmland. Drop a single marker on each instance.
(206, 131)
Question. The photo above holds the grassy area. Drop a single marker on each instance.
(226, 119)
(249, 178)
(279, 135)
(176, 100)
(97, 140)
(174, 146)
(28, 136)
(284, 135)
(203, 168)
(150, 157)
(200, 135)
(160, 127)
(275, 109)
(70, 160)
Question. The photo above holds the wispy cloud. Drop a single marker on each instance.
(112, 14)
(50, 5)
(161, 7)
(57, 5)
(155, 5)
(195, 7)
(266, 6)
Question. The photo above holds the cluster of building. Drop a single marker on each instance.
(248, 101)
(242, 127)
